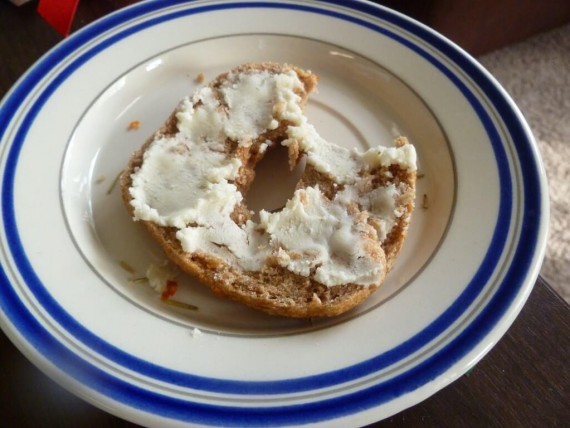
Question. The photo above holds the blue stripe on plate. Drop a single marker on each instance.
(428, 369)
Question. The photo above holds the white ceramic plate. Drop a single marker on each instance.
(473, 253)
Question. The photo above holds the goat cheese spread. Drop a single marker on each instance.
(188, 181)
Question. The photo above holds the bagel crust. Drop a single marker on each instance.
(325, 251)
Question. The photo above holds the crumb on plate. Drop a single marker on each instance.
(134, 125)
(200, 78)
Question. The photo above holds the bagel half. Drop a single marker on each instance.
(322, 254)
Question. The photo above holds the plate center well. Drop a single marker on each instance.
(359, 104)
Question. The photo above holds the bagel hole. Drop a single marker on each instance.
(274, 182)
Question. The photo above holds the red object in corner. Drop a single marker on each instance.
(59, 13)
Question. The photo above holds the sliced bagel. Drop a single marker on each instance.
(322, 254)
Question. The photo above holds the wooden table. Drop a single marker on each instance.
(523, 382)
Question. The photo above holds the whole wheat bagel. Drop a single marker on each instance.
(322, 254)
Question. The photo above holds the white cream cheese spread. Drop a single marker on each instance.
(314, 234)
(158, 275)
(187, 181)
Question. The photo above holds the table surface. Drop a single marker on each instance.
(524, 381)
